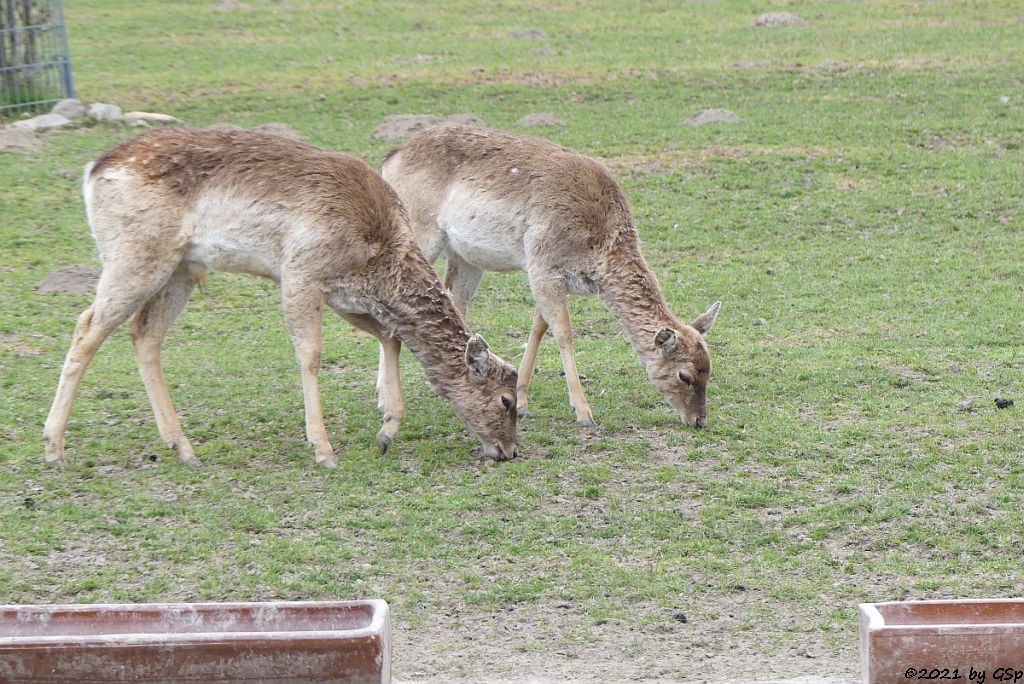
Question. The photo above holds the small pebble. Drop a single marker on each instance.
(681, 617)
(760, 321)
(152, 457)
(1003, 403)
(30, 502)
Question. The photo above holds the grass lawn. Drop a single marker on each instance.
(863, 226)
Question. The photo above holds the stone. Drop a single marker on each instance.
(105, 112)
(709, 116)
(19, 140)
(70, 107)
(540, 119)
(43, 122)
(149, 118)
(773, 19)
(402, 126)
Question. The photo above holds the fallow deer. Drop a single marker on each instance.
(169, 205)
(497, 201)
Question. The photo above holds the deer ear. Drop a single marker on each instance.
(477, 356)
(665, 340)
(707, 319)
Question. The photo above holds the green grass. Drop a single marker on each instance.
(862, 227)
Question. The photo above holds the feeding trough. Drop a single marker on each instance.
(339, 642)
(965, 640)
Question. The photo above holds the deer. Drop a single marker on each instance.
(492, 200)
(171, 204)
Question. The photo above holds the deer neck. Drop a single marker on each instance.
(631, 293)
(416, 309)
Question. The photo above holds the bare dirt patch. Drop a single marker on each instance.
(540, 119)
(19, 140)
(15, 345)
(529, 34)
(774, 19)
(712, 116)
(280, 129)
(401, 126)
(74, 279)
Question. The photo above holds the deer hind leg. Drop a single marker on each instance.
(552, 304)
(303, 317)
(148, 328)
(389, 381)
(461, 279)
(540, 326)
(120, 292)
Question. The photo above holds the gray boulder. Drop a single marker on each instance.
(105, 112)
(70, 107)
(43, 122)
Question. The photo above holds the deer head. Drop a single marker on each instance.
(679, 365)
(486, 400)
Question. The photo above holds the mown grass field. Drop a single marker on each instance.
(862, 226)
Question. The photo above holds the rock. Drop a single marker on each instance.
(105, 112)
(19, 140)
(135, 118)
(1003, 403)
(279, 129)
(529, 34)
(43, 122)
(401, 126)
(75, 279)
(773, 19)
(540, 119)
(709, 116)
(760, 321)
(70, 107)
(466, 119)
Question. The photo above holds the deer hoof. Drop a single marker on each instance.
(524, 412)
(587, 422)
(328, 463)
(383, 442)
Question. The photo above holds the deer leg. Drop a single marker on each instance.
(148, 329)
(461, 279)
(389, 381)
(303, 317)
(118, 294)
(553, 305)
(540, 326)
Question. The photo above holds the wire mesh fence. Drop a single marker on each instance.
(35, 66)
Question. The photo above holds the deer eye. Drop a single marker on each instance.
(685, 377)
(506, 402)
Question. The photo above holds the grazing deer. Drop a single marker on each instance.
(173, 203)
(497, 201)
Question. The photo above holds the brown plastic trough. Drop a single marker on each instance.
(966, 640)
(345, 641)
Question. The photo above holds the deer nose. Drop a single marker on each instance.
(699, 423)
